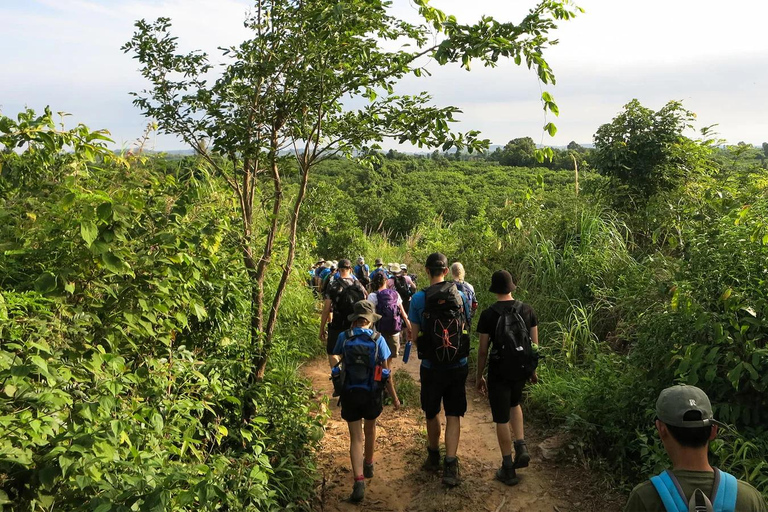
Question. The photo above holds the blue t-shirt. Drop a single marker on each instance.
(324, 273)
(384, 351)
(360, 270)
(378, 270)
(415, 315)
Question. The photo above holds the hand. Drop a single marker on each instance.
(396, 403)
(534, 378)
(323, 335)
(482, 386)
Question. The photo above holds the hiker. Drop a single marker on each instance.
(317, 280)
(379, 264)
(438, 318)
(404, 270)
(402, 284)
(330, 276)
(685, 425)
(394, 319)
(457, 272)
(339, 297)
(365, 373)
(362, 271)
(510, 327)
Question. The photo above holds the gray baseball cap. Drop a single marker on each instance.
(674, 402)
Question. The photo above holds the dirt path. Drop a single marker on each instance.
(400, 485)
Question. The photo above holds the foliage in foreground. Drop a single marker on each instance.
(123, 353)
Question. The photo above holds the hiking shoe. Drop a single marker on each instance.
(433, 460)
(368, 470)
(522, 457)
(451, 473)
(507, 476)
(358, 492)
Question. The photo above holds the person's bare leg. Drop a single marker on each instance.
(370, 439)
(356, 447)
(433, 433)
(452, 433)
(516, 420)
(505, 438)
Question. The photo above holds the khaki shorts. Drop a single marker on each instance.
(393, 342)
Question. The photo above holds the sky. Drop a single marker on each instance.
(709, 54)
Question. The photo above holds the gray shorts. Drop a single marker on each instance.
(393, 342)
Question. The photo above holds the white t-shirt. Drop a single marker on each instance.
(375, 299)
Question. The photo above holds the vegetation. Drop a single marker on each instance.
(121, 365)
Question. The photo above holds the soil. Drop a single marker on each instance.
(400, 484)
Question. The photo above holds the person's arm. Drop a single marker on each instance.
(534, 331)
(324, 319)
(482, 355)
(408, 332)
(391, 386)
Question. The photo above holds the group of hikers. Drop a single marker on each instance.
(366, 313)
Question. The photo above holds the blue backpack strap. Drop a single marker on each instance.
(669, 491)
(724, 492)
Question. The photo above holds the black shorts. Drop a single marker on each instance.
(357, 405)
(503, 395)
(333, 336)
(446, 386)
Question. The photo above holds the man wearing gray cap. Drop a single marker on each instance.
(686, 425)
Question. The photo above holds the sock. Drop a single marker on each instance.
(368, 462)
(450, 460)
(506, 461)
(519, 442)
(360, 478)
(430, 450)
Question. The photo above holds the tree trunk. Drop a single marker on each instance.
(287, 268)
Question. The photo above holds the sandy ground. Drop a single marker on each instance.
(400, 484)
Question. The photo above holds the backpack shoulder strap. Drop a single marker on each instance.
(669, 490)
(724, 492)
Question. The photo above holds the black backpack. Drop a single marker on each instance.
(402, 288)
(512, 354)
(362, 276)
(347, 294)
(444, 338)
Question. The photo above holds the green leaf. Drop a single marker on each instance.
(46, 283)
(200, 311)
(551, 129)
(104, 212)
(113, 263)
(89, 231)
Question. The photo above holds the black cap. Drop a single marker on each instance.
(502, 283)
(345, 264)
(436, 260)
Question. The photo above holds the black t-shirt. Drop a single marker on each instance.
(333, 290)
(489, 318)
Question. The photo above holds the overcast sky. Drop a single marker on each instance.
(712, 55)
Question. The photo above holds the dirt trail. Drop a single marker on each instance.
(400, 485)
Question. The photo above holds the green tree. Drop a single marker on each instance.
(644, 152)
(287, 88)
(519, 153)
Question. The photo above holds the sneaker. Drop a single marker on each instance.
(433, 460)
(507, 476)
(522, 457)
(451, 473)
(358, 492)
(368, 470)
